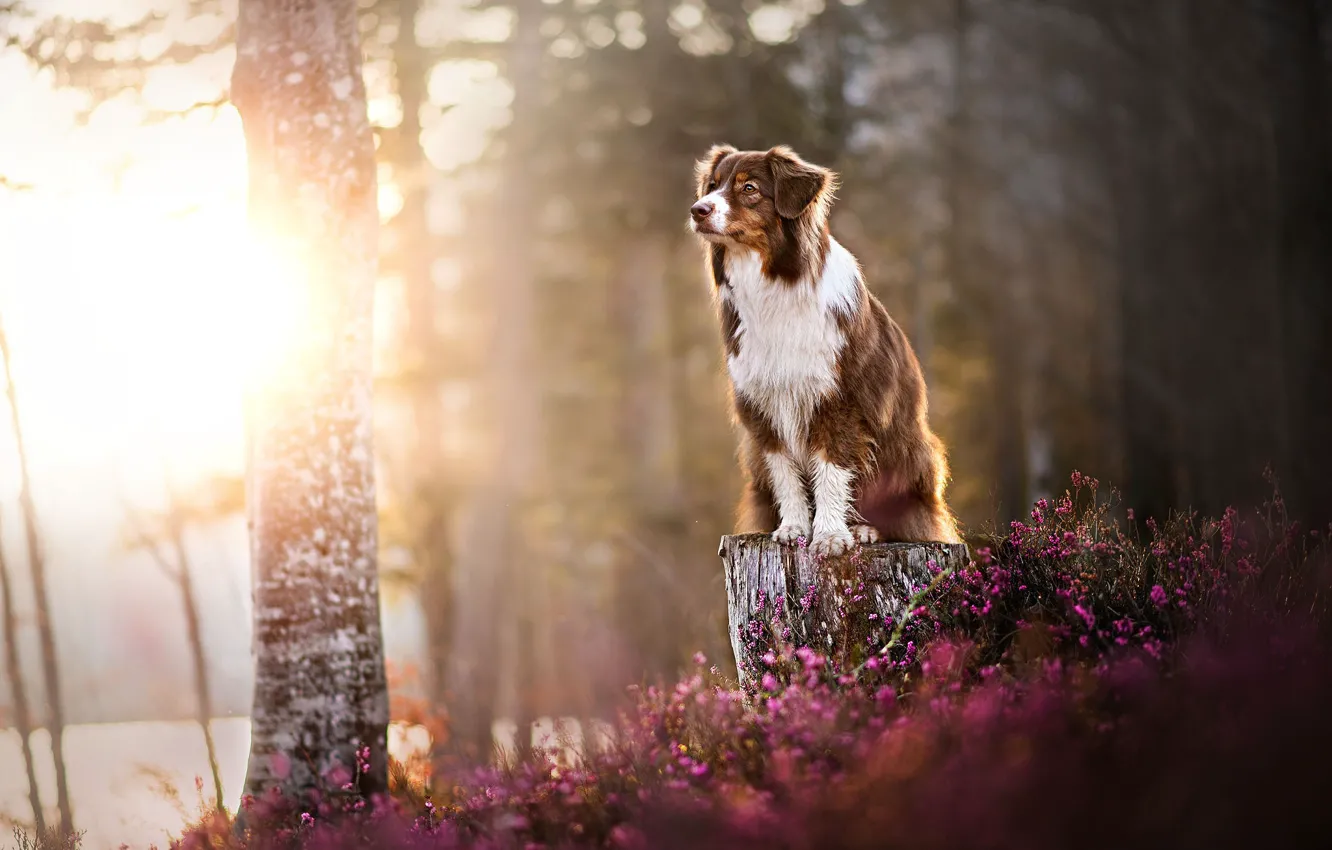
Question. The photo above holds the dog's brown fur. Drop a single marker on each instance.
(874, 421)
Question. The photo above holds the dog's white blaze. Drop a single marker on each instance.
(788, 489)
(720, 209)
(789, 339)
(832, 498)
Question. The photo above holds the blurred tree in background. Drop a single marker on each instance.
(1104, 227)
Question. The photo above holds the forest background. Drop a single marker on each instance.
(1102, 225)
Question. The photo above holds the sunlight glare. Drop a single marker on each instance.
(272, 301)
(150, 325)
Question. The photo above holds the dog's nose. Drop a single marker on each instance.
(701, 209)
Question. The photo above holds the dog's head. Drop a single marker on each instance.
(758, 199)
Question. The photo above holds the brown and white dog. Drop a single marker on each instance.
(826, 388)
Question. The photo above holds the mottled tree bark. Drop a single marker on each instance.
(45, 629)
(825, 604)
(320, 692)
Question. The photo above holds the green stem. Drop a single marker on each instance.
(912, 605)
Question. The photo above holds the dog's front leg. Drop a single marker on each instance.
(788, 490)
(832, 503)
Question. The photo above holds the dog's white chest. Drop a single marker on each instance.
(789, 342)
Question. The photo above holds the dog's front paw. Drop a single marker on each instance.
(865, 533)
(832, 542)
(789, 535)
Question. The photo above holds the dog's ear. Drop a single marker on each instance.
(704, 167)
(797, 185)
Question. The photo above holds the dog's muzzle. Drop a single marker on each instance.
(708, 215)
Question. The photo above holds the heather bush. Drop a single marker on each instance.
(1229, 749)
(1076, 583)
(1086, 679)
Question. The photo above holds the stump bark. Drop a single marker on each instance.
(843, 607)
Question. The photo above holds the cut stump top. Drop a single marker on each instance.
(842, 607)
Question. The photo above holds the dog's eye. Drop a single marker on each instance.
(712, 184)
(750, 187)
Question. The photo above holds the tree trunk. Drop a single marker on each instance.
(431, 487)
(194, 632)
(922, 320)
(1134, 149)
(1038, 439)
(831, 30)
(824, 604)
(320, 693)
(1302, 141)
(491, 538)
(45, 629)
(649, 433)
(972, 273)
(22, 717)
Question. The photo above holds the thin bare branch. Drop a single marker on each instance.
(140, 537)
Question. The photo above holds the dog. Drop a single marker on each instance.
(825, 388)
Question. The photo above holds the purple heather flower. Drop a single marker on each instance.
(1159, 598)
(1086, 615)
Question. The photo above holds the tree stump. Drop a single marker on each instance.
(843, 607)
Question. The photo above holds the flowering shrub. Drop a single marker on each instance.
(1078, 682)
(1231, 749)
(1074, 583)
